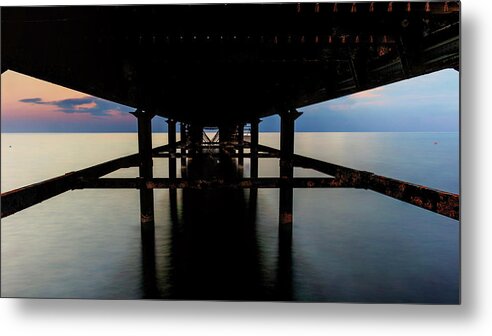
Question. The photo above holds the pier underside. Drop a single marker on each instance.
(227, 66)
(223, 64)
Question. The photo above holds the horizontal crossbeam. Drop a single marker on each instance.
(22, 198)
(233, 155)
(441, 202)
(242, 183)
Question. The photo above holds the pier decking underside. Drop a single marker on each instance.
(216, 64)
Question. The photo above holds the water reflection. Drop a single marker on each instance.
(348, 245)
(149, 283)
(213, 249)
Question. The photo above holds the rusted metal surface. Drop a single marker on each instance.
(286, 204)
(286, 193)
(441, 202)
(244, 183)
(146, 166)
(232, 155)
(346, 177)
(22, 198)
(19, 199)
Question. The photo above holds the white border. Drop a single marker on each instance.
(473, 317)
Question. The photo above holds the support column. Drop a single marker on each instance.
(147, 227)
(184, 142)
(253, 172)
(225, 139)
(254, 148)
(196, 138)
(171, 139)
(145, 169)
(286, 200)
(240, 143)
(287, 131)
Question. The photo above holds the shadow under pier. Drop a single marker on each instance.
(214, 250)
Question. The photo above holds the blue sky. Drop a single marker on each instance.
(427, 103)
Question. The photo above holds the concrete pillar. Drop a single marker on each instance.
(147, 226)
(240, 143)
(173, 205)
(287, 131)
(171, 139)
(284, 266)
(226, 133)
(195, 133)
(184, 141)
(254, 148)
(145, 169)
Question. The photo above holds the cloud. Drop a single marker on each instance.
(32, 100)
(357, 101)
(369, 94)
(95, 106)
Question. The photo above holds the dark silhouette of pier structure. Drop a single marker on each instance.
(226, 67)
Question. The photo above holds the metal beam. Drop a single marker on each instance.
(233, 155)
(145, 169)
(25, 197)
(22, 198)
(171, 140)
(441, 202)
(242, 183)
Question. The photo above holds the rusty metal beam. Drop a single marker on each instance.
(22, 198)
(441, 202)
(19, 199)
(233, 155)
(242, 183)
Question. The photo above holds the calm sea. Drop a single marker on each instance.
(348, 245)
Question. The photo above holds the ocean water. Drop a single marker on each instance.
(348, 245)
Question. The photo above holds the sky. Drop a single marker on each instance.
(427, 103)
